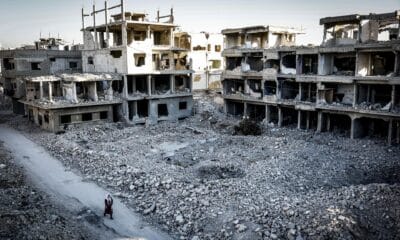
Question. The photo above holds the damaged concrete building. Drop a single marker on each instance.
(48, 56)
(156, 73)
(205, 55)
(129, 69)
(348, 84)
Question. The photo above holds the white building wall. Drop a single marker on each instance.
(202, 60)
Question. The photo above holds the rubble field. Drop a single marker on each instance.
(198, 179)
(28, 213)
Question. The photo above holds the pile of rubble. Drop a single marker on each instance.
(197, 180)
(27, 213)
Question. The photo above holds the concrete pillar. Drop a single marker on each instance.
(398, 132)
(390, 132)
(321, 122)
(309, 91)
(148, 33)
(308, 120)
(191, 82)
(268, 113)
(246, 87)
(149, 85)
(125, 110)
(245, 113)
(299, 119)
(171, 61)
(301, 92)
(225, 107)
(41, 89)
(171, 38)
(50, 92)
(356, 130)
(369, 93)
(328, 122)
(393, 95)
(172, 83)
(280, 117)
(125, 89)
(74, 95)
(355, 86)
(94, 26)
(133, 85)
(123, 25)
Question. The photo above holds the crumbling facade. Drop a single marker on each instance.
(349, 84)
(46, 57)
(205, 56)
(156, 73)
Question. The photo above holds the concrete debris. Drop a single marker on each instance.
(284, 183)
(26, 213)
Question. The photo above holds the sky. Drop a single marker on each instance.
(22, 21)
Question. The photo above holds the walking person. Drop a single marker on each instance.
(108, 202)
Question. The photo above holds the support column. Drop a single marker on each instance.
(268, 113)
(50, 92)
(41, 89)
(299, 119)
(393, 95)
(245, 114)
(301, 92)
(390, 132)
(356, 130)
(246, 87)
(355, 86)
(148, 33)
(123, 25)
(308, 120)
(149, 85)
(172, 83)
(96, 41)
(225, 107)
(309, 92)
(135, 110)
(328, 122)
(125, 110)
(320, 123)
(107, 43)
(125, 89)
(398, 132)
(280, 117)
(133, 85)
(368, 94)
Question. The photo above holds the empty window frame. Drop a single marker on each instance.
(104, 115)
(139, 59)
(90, 60)
(65, 119)
(87, 117)
(73, 65)
(35, 66)
(116, 53)
(162, 110)
(182, 105)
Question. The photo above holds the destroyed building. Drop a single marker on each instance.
(205, 55)
(348, 84)
(156, 73)
(46, 57)
(129, 68)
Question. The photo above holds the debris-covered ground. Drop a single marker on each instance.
(197, 179)
(28, 213)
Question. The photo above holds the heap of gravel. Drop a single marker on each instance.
(196, 180)
(28, 213)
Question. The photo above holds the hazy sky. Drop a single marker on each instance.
(21, 21)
